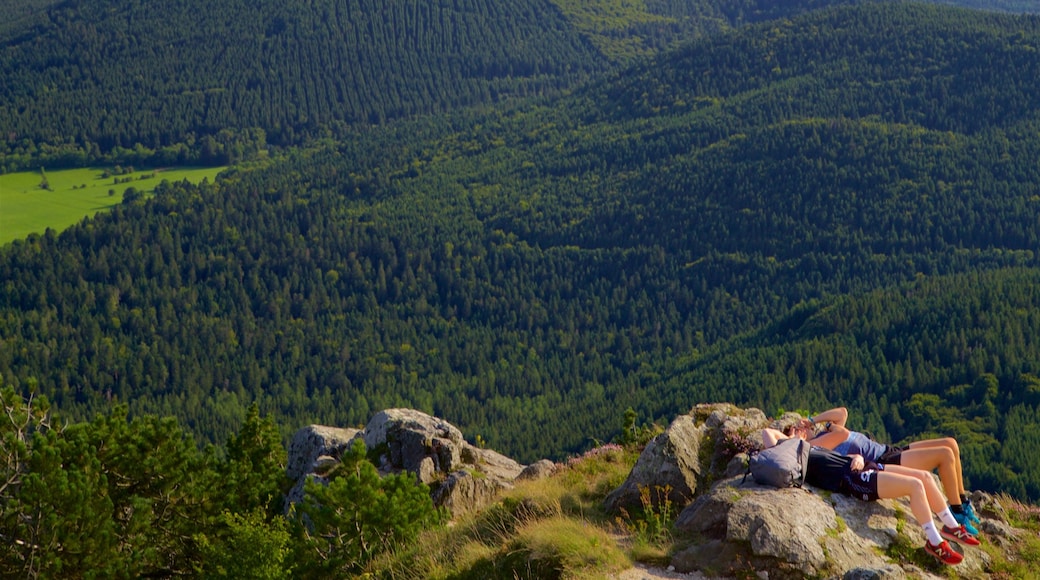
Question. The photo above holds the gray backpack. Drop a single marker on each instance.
(783, 465)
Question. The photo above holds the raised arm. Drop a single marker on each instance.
(831, 436)
(771, 437)
(837, 416)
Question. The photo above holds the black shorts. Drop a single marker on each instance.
(861, 484)
(892, 455)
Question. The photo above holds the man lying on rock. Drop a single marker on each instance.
(853, 476)
(828, 430)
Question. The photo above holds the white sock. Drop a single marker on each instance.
(933, 534)
(947, 518)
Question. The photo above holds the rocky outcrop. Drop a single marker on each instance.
(310, 443)
(793, 530)
(312, 452)
(670, 463)
(732, 525)
(692, 452)
(795, 533)
(463, 491)
(461, 476)
(728, 526)
(410, 440)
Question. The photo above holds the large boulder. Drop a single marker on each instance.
(792, 532)
(407, 438)
(734, 525)
(538, 470)
(668, 463)
(461, 476)
(312, 442)
(312, 452)
(462, 491)
(695, 450)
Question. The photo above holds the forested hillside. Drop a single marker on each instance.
(190, 81)
(91, 75)
(941, 356)
(193, 80)
(1024, 6)
(530, 272)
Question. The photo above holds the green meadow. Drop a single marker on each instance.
(26, 207)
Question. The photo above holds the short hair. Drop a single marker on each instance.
(789, 430)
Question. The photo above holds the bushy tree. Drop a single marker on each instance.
(254, 546)
(359, 515)
(129, 498)
(253, 475)
(109, 498)
(23, 419)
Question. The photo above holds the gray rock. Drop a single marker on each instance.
(384, 423)
(764, 520)
(538, 470)
(669, 462)
(715, 557)
(797, 529)
(493, 464)
(312, 442)
(461, 477)
(707, 515)
(884, 573)
(427, 472)
(410, 436)
(463, 492)
(296, 493)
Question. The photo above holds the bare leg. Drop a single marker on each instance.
(941, 458)
(893, 485)
(951, 444)
(934, 497)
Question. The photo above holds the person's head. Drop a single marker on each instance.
(798, 430)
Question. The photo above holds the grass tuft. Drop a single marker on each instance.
(560, 547)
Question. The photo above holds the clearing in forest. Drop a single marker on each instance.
(32, 201)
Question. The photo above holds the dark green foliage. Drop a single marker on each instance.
(946, 356)
(678, 234)
(252, 472)
(255, 546)
(358, 515)
(121, 498)
(195, 81)
(44, 182)
(111, 498)
(22, 420)
(1003, 5)
(635, 436)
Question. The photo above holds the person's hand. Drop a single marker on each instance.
(805, 424)
(857, 463)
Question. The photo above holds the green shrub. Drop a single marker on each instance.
(252, 548)
(359, 515)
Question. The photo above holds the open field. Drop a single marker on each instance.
(25, 207)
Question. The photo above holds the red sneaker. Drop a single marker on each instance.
(944, 553)
(960, 535)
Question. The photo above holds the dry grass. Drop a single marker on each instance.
(549, 528)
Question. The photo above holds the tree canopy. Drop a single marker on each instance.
(526, 271)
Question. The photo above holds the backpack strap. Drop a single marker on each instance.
(751, 454)
(805, 462)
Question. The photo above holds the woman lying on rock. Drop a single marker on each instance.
(851, 475)
(828, 430)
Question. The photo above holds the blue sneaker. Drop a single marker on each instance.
(965, 520)
(969, 510)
